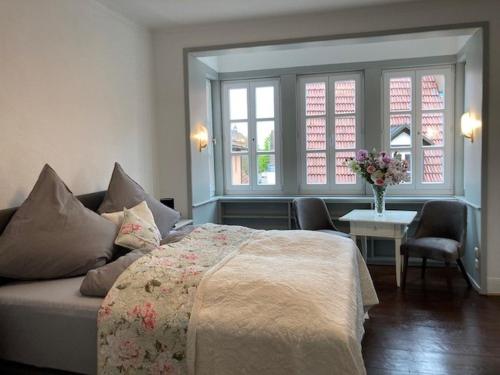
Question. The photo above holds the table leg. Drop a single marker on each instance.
(354, 238)
(364, 248)
(397, 253)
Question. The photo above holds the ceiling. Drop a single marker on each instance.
(175, 13)
(403, 46)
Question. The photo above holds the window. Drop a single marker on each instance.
(418, 123)
(330, 132)
(252, 135)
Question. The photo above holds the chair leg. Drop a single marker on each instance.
(424, 264)
(464, 274)
(448, 274)
(405, 271)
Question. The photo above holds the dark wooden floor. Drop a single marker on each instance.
(431, 328)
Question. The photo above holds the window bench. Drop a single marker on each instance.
(275, 212)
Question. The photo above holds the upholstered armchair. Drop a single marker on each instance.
(312, 214)
(440, 235)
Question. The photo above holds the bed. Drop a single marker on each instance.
(49, 324)
(224, 300)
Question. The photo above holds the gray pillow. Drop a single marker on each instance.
(125, 192)
(177, 235)
(98, 282)
(52, 235)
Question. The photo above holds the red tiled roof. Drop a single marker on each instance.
(432, 122)
(343, 174)
(400, 92)
(345, 129)
(345, 97)
(433, 127)
(432, 98)
(433, 165)
(315, 99)
(345, 133)
(316, 133)
(316, 168)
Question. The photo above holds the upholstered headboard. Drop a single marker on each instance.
(92, 201)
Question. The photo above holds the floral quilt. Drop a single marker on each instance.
(143, 321)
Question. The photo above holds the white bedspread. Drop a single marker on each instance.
(288, 302)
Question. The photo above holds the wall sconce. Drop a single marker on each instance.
(468, 124)
(201, 136)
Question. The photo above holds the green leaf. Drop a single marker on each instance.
(122, 286)
(179, 356)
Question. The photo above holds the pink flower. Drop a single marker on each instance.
(146, 313)
(167, 262)
(163, 365)
(130, 228)
(190, 256)
(220, 237)
(104, 312)
(379, 182)
(128, 349)
(371, 169)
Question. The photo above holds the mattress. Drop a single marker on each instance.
(49, 324)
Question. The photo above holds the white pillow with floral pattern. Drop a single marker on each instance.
(137, 233)
(142, 210)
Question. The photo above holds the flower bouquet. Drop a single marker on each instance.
(380, 170)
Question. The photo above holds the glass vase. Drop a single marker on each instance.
(379, 199)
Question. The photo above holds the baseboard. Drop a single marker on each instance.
(493, 286)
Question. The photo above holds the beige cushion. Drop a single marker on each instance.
(136, 233)
(53, 235)
(142, 210)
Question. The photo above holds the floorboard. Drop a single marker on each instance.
(431, 328)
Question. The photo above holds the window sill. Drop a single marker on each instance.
(331, 198)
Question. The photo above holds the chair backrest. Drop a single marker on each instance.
(445, 219)
(312, 214)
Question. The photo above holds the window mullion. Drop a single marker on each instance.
(333, 117)
(419, 150)
(252, 133)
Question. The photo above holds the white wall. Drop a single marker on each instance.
(201, 163)
(168, 46)
(313, 54)
(75, 92)
(473, 100)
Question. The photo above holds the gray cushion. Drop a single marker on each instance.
(432, 247)
(98, 282)
(125, 192)
(53, 235)
(177, 235)
(335, 233)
